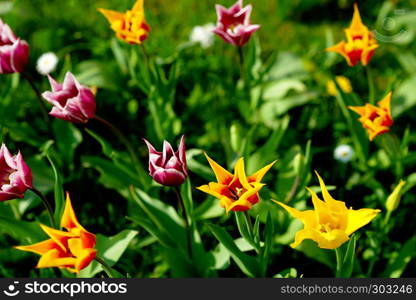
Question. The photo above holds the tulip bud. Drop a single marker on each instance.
(393, 200)
(14, 52)
(233, 24)
(168, 167)
(15, 175)
(71, 101)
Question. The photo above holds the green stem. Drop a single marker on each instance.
(357, 145)
(107, 269)
(242, 65)
(185, 217)
(386, 221)
(338, 254)
(371, 89)
(15, 210)
(391, 144)
(126, 143)
(46, 204)
(39, 97)
(249, 224)
(146, 55)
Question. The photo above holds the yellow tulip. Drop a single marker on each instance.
(376, 119)
(130, 26)
(237, 192)
(343, 82)
(72, 249)
(330, 223)
(360, 44)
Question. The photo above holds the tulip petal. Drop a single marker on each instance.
(357, 25)
(69, 219)
(302, 235)
(359, 218)
(330, 240)
(222, 175)
(55, 258)
(258, 176)
(243, 204)
(241, 174)
(138, 5)
(39, 248)
(308, 217)
(385, 102)
(111, 15)
(58, 236)
(85, 258)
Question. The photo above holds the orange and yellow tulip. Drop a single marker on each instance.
(130, 26)
(377, 120)
(237, 192)
(72, 249)
(330, 223)
(360, 45)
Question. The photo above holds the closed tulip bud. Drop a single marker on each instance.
(168, 167)
(15, 175)
(393, 200)
(14, 52)
(71, 101)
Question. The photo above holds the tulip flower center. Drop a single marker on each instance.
(5, 176)
(326, 228)
(236, 192)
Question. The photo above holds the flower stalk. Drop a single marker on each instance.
(181, 206)
(107, 269)
(124, 140)
(46, 204)
(38, 96)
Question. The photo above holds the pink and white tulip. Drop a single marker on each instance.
(15, 175)
(233, 24)
(14, 52)
(71, 101)
(168, 167)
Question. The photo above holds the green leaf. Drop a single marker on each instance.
(247, 264)
(396, 267)
(58, 192)
(164, 217)
(105, 146)
(186, 192)
(267, 153)
(68, 138)
(112, 175)
(243, 228)
(268, 238)
(195, 166)
(311, 250)
(23, 231)
(163, 238)
(110, 249)
(349, 258)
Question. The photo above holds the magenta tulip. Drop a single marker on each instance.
(14, 52)
(168, 167)
(233, 24)
(15, 175)
(71, 101)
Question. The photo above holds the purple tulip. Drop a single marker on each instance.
(168, 167)
(15, 175)
(14, 53)
(233, 24)
(71, 101)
